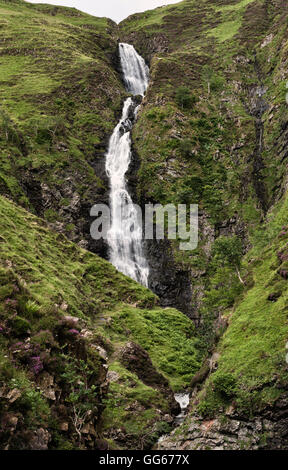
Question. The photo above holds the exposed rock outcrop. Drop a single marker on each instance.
(137, 360)
(232, 431)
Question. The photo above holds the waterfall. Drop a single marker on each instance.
(135, 70)
(125, 234)
(183, 399)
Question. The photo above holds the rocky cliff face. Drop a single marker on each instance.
(232, 431)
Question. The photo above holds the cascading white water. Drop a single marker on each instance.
(183, 399)
(135, 70)
(125, 234)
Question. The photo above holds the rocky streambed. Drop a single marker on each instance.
(183, 399)
(232, 431)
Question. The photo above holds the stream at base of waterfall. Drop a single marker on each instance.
(183, 399)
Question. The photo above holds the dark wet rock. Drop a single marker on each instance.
(39, 440)
(283, 273)
(274, 296)
(169, 282)
(101, 444)
(137, 360)
(148, 45)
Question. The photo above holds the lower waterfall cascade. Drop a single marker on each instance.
(125, 234)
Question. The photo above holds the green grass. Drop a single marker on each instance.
(64, 267)
(149, 18)
(166, 335)
(253, 349)
(36, 92)
(31, 398)
(235, 6)
(125, 396)
(46, 277)
(226, 30)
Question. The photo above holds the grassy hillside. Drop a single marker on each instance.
(213, 132)
(87, 354)
(60, 307)
(243, 403)
(253, 349)
(60, 99)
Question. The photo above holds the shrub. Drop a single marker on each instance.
(20, 326)
(43, 338)
(36, 364)
(47, 129)
(206, 408)
(217, 83)
(31, 309)
(7, 127)
(213, 80)
(6, 368)
(190, 189)
(80, 376)
(30, 400)
(50, 215)
(186, 148)
(184, 98)
(228, 250)
(225, 384)
(5, 291)
(43, 136)
(156, 114)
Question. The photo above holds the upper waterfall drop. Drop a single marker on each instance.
(135, 70)
(125, 234)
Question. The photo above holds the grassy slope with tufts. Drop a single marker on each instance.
(45, 279)
(253, 349)
(252, 373)
(60, 99)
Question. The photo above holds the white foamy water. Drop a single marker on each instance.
(125, 235)
(183, 399)
(135, 70)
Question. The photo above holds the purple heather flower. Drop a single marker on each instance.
(11, 302)
(73, 331)
(36, 364)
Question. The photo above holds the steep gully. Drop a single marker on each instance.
(183, 399)
(256, 105)
(158, 270)
(156, 253)
(125, 237)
